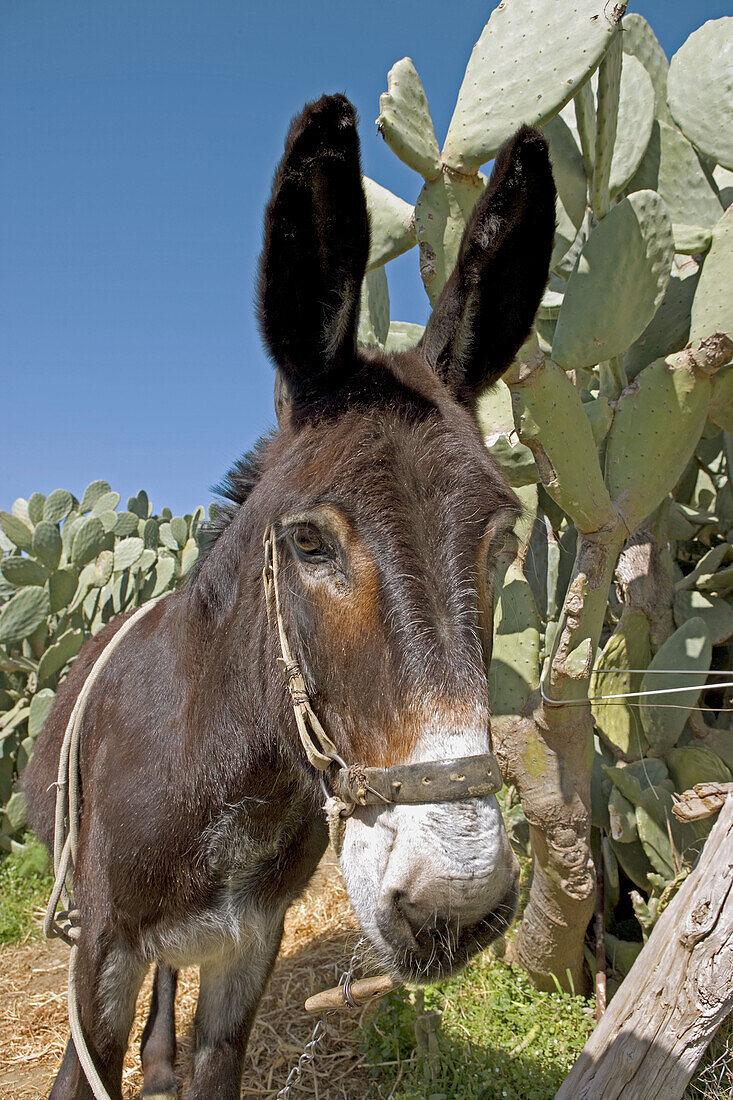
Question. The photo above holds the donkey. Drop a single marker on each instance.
(202, 818)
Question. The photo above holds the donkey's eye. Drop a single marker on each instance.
(308, 542)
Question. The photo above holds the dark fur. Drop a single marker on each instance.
(198, 803)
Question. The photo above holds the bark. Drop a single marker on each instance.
(545, 757)
(676, 995)
(704, 800)
(548, 755)
(644, 583)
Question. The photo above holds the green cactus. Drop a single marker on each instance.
(571, 183)
(627, 648)
(641, 264)
(635, 121)
(374, 313)
(669, 329)
(657, 424)
(629, 258)
(391, 224)
(513, 673)
(402, 335)
(712, 306)
(622, 818)
(441, 213)
(497, 94)
(639, 41)
(671, 167)
(405, 123)
(689, 650)
(66, 569)
(699, 87)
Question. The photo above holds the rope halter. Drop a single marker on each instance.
(357, 784)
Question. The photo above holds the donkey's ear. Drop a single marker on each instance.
(487, 307)
(316, 245)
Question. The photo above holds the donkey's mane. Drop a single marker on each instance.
(233, 490)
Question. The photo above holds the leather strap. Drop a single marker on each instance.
(412, 784)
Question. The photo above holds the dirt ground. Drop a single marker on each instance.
(319, 939)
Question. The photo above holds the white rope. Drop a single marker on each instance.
(65, 923)
(668, 672)
(656, 691)
(638, 694)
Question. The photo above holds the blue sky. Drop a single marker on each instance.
(138, 140)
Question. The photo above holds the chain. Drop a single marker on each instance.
(319, 1031)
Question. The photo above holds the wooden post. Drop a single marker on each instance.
(676, 995)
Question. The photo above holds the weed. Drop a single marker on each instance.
(25, 884)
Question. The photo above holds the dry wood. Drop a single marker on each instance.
(704, 800)
(361, 992)
(678, 992)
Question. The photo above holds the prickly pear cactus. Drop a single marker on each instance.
(66, 568)
(632, 360)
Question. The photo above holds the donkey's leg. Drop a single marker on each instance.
(158, 1044)
(228, 998)
(108, 980)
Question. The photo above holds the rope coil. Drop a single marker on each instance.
(65, 923)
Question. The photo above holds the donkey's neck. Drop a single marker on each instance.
(242, 709)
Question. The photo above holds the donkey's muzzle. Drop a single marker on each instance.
(428, 946)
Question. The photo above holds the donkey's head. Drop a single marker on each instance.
(390, 518)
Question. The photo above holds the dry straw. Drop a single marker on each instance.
(320, 933)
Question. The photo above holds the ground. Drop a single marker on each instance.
(319, 938)
(487, 1035)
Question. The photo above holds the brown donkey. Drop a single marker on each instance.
(202, 818)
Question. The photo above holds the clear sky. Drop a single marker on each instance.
(138, 141)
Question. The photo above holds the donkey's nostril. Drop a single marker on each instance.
(403, 923)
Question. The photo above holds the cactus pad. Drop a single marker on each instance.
(693, 764)
(627, 261)
(498, 94)
(716, 613)
(441, 214)
(374, 313)
(712, 307)
(627, 648)
(404, 120)
(689, 650)
(513, 672)
(671, 167)
(700, 89)
(47, 544)
(657, 425)
(391, 224)
(669, 328)
(57, 506)
(721, 400)
(403, 335)
(622, 818)
(22, 572)
(635, 122)
(547, 412)
(25, 611)
(640, 41)
(634, 862)
(570, 181)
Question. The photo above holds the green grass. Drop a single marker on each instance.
(498, 1038)
(25, 884)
